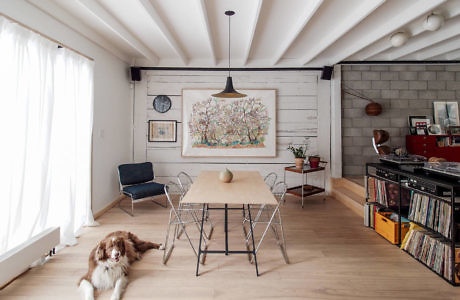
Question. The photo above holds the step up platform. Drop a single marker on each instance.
(350, 193)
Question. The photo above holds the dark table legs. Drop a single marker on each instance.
(226, 251)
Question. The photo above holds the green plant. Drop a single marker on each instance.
(299, 152)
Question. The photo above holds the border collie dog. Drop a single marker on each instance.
(109, 262)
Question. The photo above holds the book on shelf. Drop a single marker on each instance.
(431, 212)
(370, 209)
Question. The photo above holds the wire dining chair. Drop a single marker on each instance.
(270, 179)
(271, 216)
(179, 217)
(185, 182)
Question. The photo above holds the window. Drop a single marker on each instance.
(46, 98)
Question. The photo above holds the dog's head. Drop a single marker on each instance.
(111, 249)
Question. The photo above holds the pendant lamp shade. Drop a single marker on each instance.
(229, 91)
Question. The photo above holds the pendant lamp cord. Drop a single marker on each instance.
(229, 46)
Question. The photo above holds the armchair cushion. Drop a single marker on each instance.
(144, 190)
(135, 173)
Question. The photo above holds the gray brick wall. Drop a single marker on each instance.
(402, 90)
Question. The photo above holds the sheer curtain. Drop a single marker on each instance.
(46, 98)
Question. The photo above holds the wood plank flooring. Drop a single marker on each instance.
(332, 256)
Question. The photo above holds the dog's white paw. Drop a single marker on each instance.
(162, 247)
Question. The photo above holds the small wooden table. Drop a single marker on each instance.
(305, 189)
(246, 188)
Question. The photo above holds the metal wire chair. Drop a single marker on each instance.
(179, 217)
(185, 182)
(270, 215)
(270, 179)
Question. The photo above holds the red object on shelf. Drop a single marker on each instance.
(426, 145)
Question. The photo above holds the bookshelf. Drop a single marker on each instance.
(429, 204)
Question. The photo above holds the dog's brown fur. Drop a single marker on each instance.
(127, 243)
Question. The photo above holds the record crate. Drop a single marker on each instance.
(389, 228)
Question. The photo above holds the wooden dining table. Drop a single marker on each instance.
(247, 188)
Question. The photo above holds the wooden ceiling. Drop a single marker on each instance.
(264, 33)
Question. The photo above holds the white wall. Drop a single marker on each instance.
(303, 110)
(112, 133)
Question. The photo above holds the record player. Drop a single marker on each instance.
(408, 162)
(446, 169)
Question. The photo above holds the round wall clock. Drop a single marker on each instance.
(162, 103)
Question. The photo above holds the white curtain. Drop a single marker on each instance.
(46, 98)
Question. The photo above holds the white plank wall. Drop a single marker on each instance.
(298, 116)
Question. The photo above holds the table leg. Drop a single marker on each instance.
(253, 243)
(201, 238)
(303, 182)
(226, 229)
(284, 180)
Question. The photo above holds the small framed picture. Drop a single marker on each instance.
(419, 121)
(413, 130)
(162, 131)
(446, 113)
(421, 130)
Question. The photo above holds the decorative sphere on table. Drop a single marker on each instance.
(225, 176)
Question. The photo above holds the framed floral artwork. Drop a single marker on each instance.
(162, 131)
(222, 127)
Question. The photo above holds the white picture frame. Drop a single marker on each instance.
(445, 113)
(229, 127)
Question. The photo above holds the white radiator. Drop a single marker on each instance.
(18, 259)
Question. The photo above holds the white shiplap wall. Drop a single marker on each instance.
(302, 112)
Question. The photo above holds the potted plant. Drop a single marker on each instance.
(314, 161)
(299, 155)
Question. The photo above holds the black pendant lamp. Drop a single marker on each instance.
(229, 91)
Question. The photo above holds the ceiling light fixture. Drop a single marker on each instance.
(229, 91)
(433, 22)
(398, 39)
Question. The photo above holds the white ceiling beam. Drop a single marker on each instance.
(449, 10)
(436, 50)
(113, 24)
(366, 35)
(156, 18)
(298, 28)
(449, 30)
(340, 28)
(60, 14)
(205, 19)
(454, 55)
(252, 31)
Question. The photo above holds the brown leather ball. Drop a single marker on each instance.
(373, 109)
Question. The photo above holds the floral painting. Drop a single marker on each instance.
(229, 127)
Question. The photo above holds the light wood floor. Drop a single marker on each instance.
(333, 256)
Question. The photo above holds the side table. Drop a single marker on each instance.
(306, 189)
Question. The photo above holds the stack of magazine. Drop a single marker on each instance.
(431, 212)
